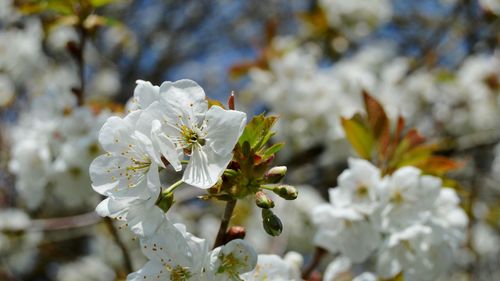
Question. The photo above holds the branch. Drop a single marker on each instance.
(126, 258)
(436, 37)
(318, 255)
(63, 223)
(77, 52)
(228, 212)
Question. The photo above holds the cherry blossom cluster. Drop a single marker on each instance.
(52, 146)
(408, 221)
(169, 127)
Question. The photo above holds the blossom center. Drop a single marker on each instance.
(190, 139)
(362, 191)
(138, 165)
(180, 273)
(397, 197)
(229, 265)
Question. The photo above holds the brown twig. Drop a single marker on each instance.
(318, 255)
(436, 37)
(83, 220)
(80, 60)
(228, 213)
(126, 258)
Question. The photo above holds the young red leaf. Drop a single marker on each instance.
(439, 165)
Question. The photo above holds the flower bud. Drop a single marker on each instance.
(275, 174)
(272, 224)
(230, 101)
(165, 201)
(263, 201)
(234, 232)
(286, 192)
(231, 173)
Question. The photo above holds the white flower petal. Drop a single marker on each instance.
(337, 268)
(242, 251)
(205, 167)
(185, 99)
(116, 134)
(165, 146)
(111, 177)
(170, 248)
(224, 127)
(367, 276)
(145, 93)
(270, 268)
(113, 208)
(144, 218)
(152, 270)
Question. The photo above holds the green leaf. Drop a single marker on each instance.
(272, 150)
(359, 136)
(414, 156)
(258, 131)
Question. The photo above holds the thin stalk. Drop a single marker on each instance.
(224, 224)
(171, 188)
(126, 258)
(318, 256)
(81, 65)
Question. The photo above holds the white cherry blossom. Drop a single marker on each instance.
(229, 261)
(30, 162)
(415, 252)
(122, 171)
(407, 194)
(358, 187)
(181, 124)
(127, 175)
(174, 254)
(346, 225)
(346, 231)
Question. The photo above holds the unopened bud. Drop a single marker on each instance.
(230, 101)
(272, 224)
(286, 192)
(230, 173)
(275, 174)
(165, 201)
(234, 232)
(263, 201)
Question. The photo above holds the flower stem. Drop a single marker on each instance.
(173, 187)
(78, 55)
(318, 255)
(126, 258)
(228, 213)
(268, 186)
